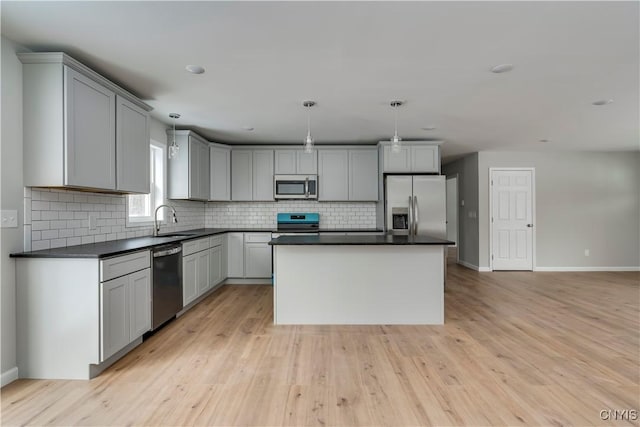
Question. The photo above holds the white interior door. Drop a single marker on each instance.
(452, 210)
(512, 219)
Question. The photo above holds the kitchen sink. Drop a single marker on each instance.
(177, 235)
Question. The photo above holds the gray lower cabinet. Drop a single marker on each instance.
(249, 255)
(196, 269)
(216, 270)
(125, 301)
(235, 253)
(125, 311)
(257, 255)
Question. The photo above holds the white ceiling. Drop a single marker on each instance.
(264, 58)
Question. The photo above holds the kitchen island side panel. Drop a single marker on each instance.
(357, 285)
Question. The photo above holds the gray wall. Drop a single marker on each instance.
(11, 196)
(584, 200)
(467, 170)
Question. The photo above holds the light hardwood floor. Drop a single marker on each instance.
(516, 349)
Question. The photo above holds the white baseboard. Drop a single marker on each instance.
(248, 282)
(9, 376)
(473, 266)
(587, 268)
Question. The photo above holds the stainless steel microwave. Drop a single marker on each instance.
(295, 187)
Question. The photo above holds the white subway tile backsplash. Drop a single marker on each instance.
(263, 214)
(60, 217)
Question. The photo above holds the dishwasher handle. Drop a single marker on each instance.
(167, 252)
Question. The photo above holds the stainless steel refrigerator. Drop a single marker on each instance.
(416, 205)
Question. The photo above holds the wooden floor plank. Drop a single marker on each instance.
(517, 348)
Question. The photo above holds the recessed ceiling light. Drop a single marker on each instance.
(194, 69)
(428, 128)
(502, 68)
(248, 128)
(602, 102)
(543, 140)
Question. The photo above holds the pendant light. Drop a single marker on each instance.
(395, 141)
(308, 141)
(174, 148)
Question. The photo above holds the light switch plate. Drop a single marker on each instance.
(9, 219)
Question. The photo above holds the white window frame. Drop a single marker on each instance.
(141, 221)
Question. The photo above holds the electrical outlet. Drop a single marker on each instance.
(9, 219)
(93, 219)
(586, 252)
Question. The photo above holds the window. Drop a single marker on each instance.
(141, 207)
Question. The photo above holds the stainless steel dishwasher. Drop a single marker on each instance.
(167, 283)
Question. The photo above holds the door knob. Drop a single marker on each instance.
(529, 225)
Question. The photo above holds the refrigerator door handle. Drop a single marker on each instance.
(416, 215)
(410, 228)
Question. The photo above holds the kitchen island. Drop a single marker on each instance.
(356, 280)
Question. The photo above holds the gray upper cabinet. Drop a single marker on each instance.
(75, 121)
(220, 173)
(413, 157)
(252, 175)
(262, 175)
(90, 127)
(296, 162)
(348, 174)
(241, 175)
(333, 176)
(132, 147)
(363, 175)
(188, 176)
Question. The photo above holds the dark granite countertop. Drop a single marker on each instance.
(358, 240)
(122, 246)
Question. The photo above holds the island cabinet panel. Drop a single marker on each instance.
(363, 175)
(235, 245)
(132, 147)
(262, 175)
(333, 176)
(220, 173)
(241, 175)
(90, 129)
(114, 316)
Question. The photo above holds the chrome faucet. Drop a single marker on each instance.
(156, 227)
